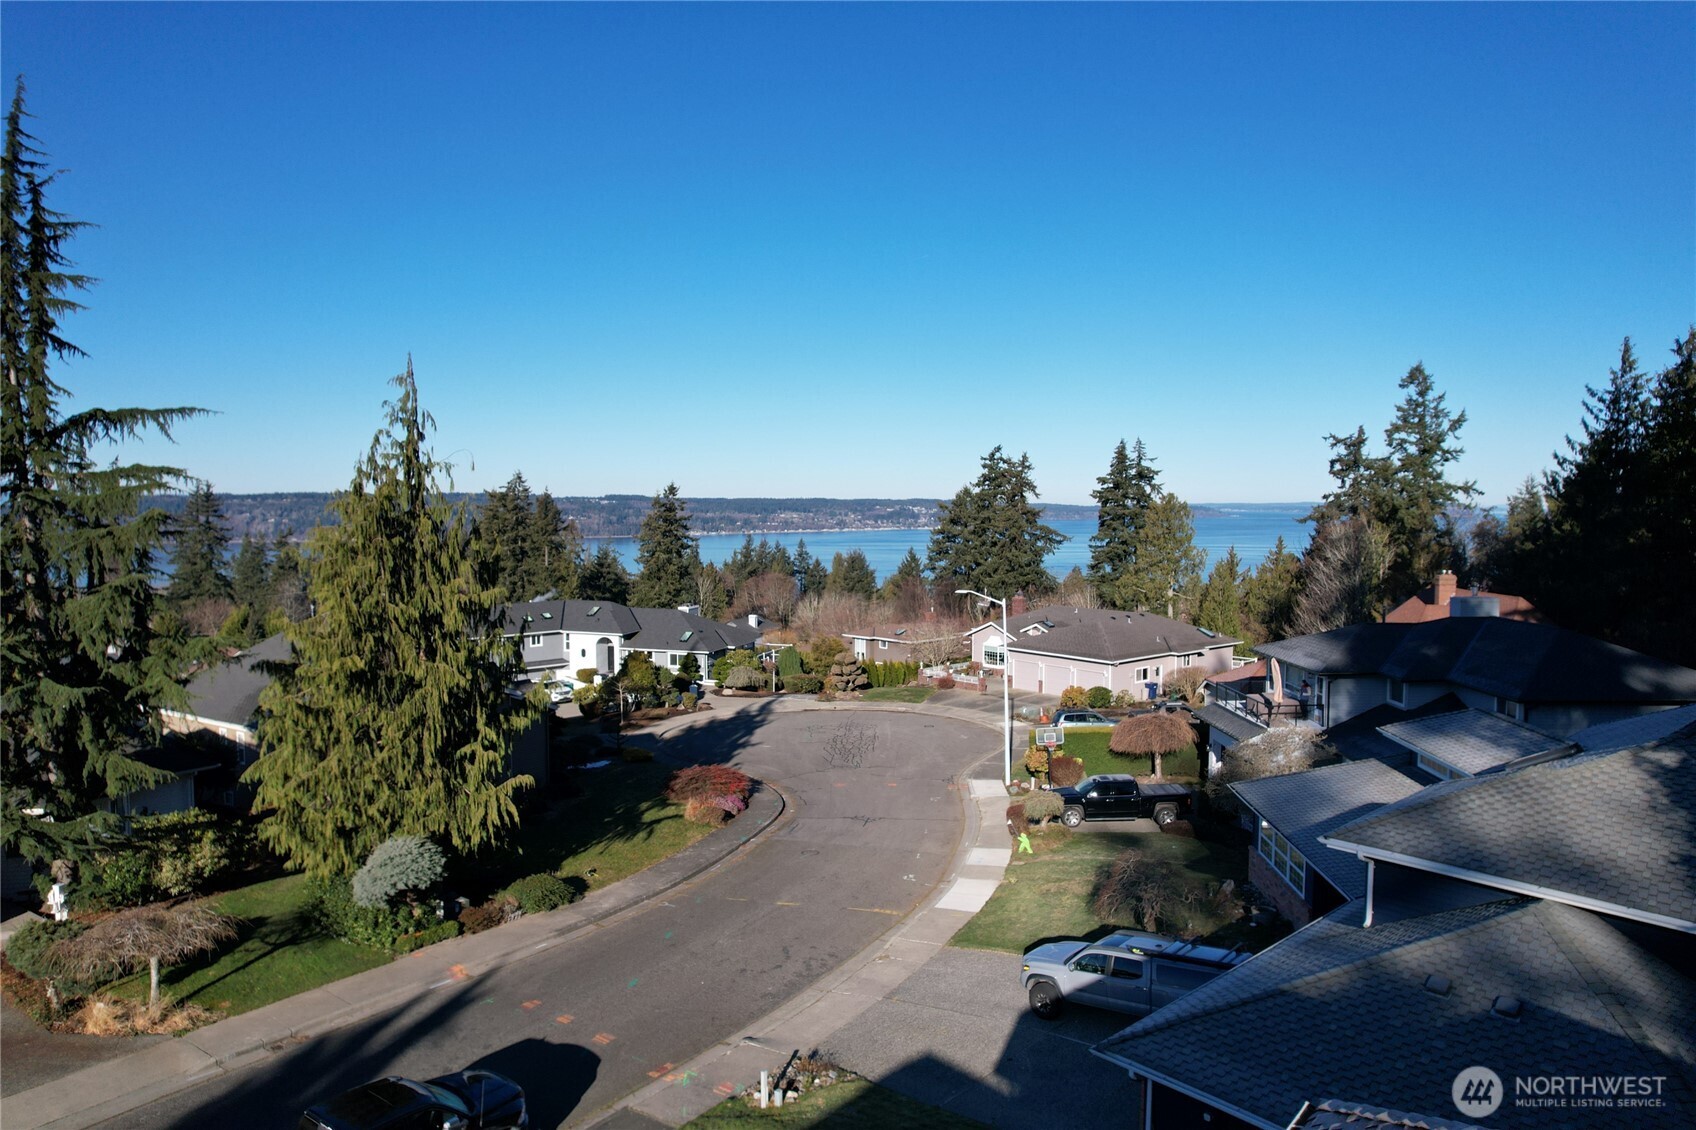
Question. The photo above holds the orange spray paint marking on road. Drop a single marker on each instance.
(563, 1019)
(457, 972)
(604, 1038)
(725, 1089)
(659, 1071)
(528, 1005)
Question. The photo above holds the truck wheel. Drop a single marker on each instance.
(1165, 814)
(1072, 817)
(1045, 999)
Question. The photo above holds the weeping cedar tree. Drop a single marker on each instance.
(83, 656)
(393, 718)
(990, 537)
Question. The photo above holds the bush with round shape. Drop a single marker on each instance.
(440, 932)
(1042, 806)
(803, 684)
(28, 949)
(946, 683)
(1016, 819)
(586, 675)
(702, 810)
(745, 679)
(1074, 696)
(539, 893)
(1063, 771)
(703, 782)
(398, 864)
(483, 916)
(1036, 760)
(1099, 698)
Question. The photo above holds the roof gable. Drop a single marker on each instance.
(229, 692)
(1106, 635)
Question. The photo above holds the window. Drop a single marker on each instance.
(1510, 709)
(1127, 968)
(1184, 661)
(994, 655)
(883, 645)
(1397, 692)
(1157, 670)
(1091, 963)
(1180, 979)
(1142, 674)
(535, 641)
(1285, 860)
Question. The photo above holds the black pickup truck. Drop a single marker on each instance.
(1118, 796)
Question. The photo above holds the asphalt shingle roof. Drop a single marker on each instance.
(1230, 722)
(1358, 738)
(1471, 741)
(662, 629)
(229, 692)
(1304, 806)
(1658, 724)
(1108, 635)
(1617, 829)
(537, 616)
(1340, 1009)
(1515, 660)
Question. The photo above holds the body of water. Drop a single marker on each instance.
(1253, 528)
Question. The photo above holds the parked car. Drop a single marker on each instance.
(1119, 796)
(561, 690)
(1079, 718)
(465, 1100)
(1126, 971)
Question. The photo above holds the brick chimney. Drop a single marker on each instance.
(1018, 606)
(1443, 589)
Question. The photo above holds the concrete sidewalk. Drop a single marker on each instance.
(95, 1094)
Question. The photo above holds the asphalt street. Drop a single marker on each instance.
(876, 804)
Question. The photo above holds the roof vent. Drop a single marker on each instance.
(1208, 632)
(1508, 1008)
(1437, 983)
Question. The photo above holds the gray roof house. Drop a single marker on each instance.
(1466, 743)
(224, 699)
(1056, 647)
(1535, 922)
(1287, 815)
(569, 635)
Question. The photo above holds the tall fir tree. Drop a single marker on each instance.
(559, 549)
(506, 539)
(666, 554)
(1166, 576)
(84, 654)
(250, 579)
(604, 577)
(1219, 608)
(852, 575)
(200, 545)
(1422, 441)
(1269, 595)
(991, 537)
(810, 573)
(289, 594)
(1123, 497)
(394, 717)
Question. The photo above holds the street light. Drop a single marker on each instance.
(1006, 675)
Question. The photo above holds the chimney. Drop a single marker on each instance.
(1018, 606)
(1444, 589)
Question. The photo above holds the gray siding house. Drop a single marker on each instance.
(570, 635)
(1056, 647)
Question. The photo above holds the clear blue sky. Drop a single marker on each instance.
(845, 250)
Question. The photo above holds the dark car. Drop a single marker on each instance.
(1119, 796)
(465, 1100)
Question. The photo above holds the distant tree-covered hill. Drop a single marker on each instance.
(620, 515)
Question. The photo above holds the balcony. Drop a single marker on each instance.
(1257, 706)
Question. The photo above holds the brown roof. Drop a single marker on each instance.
(1432, 603)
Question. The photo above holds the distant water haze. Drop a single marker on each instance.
(1253, 528)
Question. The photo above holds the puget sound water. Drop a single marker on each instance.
(1252, 528)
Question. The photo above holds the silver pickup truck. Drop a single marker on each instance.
(1126, 971)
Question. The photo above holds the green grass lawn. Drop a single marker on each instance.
(898, 694)
(278, 953)
(853, 1104)
(1047, 895)
(1090, 747)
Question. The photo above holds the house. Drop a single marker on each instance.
(1052, 648)
(185, 761)
(897, 643)
(1523, 943)
(1288, 814)
(570, 635)
(1440, 599)
(1546, 677)
(222, 714)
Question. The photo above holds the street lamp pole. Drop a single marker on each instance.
(1006, 700)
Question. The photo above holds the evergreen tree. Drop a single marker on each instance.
(560, 549)
(810, 573)
(1672, 471)
(1219, 608)
(1342, 576)
(667, 555)
(200, 547)
(1166, 576)
(84, 659)
(852, 575)
(1422, 441)
(250, 584)
(604, 577)
(506, 535)
(1269, 595)
(288, 579)
(394, 718)
(990, 537)
(1123, 498)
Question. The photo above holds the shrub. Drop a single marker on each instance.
(1146, 892)
(687, 702)
(702, 810)
(27, 949)
(484, 916)
(114, 879)
(730, 660)
(586, 675)
(1016, 819)
(441, 931)
(162, 857)
(537, 894)
(803, 684)
(1036, 760)
(1123, 699)
(1099, 698)
(1065, 771)
(379, 927)
(635, 753)
(946, 682)
(399, 863)
(744, 679)
(703, 782)
(586, 697)
(1042, 806)
(1074, 696)
(788, 662)
(733, 805)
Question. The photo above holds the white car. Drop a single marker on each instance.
(560, 690)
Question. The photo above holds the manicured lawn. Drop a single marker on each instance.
(1090, 746)
(279, 953)
(898, 694)
(1047, 895)
(854, 1104)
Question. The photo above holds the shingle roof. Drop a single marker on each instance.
(1658, 724)
(663, 629)
(1350, 1009)
(1471, 741)
(1107, 635)
(1515, 660)
(1358, 738)
(229, 692)
(1304, 806)
(537, 616)
(1230, 722)
(1611, 830)
(1336, 1114)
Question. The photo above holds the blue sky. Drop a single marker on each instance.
(845, 250)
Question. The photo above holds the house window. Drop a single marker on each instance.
(1285, 860)
(1142, 674)
(1397, 692)
(1157, 670)
(1510, 709)
(994, 655)
(535, 641)
(883, 645)
(1184, 661)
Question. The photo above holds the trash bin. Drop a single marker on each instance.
(1151, 691)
